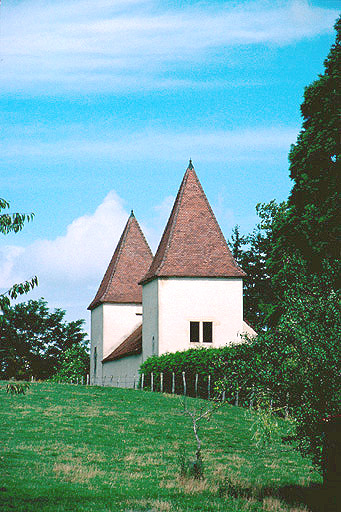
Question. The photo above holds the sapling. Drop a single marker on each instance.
(195, 468)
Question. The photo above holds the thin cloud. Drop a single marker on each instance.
(212, 145)
(82, 45)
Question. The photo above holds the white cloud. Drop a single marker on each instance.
(70, 267)
(109, 45)
(8, 255)
(82, 253)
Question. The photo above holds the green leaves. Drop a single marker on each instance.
(74, 364)
(34, 340)
(312, 227)
(14, 222)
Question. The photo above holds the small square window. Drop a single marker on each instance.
(207, 335)
(194, 332)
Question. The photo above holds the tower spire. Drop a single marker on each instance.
(192, 244)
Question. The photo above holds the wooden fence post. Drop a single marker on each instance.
(184, 382)
(173, 383)
(134, 381)
(209, 387)
(87, 379)
(142, 381)
(161, 382)
(152, 381)
(196, 384)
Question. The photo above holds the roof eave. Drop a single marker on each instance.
(100, 302)
(240, 275)
(121, 356)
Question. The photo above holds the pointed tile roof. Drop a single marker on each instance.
(131, 346)
(131, 260)
(192, 244)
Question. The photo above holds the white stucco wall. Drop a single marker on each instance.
(247, 329)
(119, 320)
(150, 332)
(110, 325)
(181, 300)
(96, 342)
(122, 373)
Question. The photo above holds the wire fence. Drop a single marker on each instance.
(201, 385)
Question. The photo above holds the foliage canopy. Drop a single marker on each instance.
(34, 340)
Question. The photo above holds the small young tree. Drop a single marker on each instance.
(195, 467)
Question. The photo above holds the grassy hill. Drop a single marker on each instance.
(74, 448)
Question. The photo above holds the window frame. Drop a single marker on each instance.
(210, 325)
(199, 324)
(194, 324)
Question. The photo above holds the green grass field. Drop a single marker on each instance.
(75, 448)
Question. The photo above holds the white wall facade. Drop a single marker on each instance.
(122, 373)
(170, 304)
(96, 348)
(150, 325)
(248, 330)
(111, 324)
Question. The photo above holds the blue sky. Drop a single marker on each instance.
(103, 103)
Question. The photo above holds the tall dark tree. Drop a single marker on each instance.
(33, 340)
(252, 253)
(311, 227)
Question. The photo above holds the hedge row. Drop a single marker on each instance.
(236, 370)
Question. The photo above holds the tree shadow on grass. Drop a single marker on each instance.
(27, 500)
(314, 497)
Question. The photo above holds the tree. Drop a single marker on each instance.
(302, 354)
(252, 252)
(311, 227)
(12, 223)
(195, 468)
(74, 364)
(33, 340)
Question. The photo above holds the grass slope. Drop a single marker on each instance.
(74, 448)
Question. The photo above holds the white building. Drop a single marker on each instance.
(189, 295)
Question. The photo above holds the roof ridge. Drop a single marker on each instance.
(176, 211)
(214, 218)
(144, 238)
(120, 248)
(118, 283)
(192, 243)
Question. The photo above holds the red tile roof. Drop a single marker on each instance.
(130, 262)
(129, 347)
(192, 244)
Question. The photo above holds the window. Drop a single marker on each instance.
(194, 332)
(201, 332)
(207, 332)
